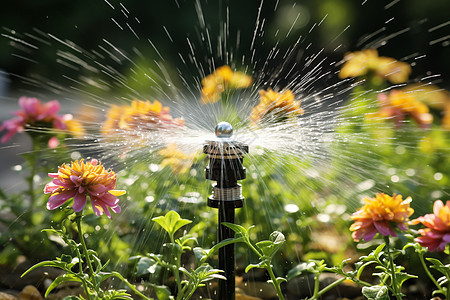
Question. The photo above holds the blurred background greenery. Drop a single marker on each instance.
(87, 23)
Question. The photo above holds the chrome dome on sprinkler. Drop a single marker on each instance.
(225, 167)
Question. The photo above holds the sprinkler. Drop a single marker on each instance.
(225, 167)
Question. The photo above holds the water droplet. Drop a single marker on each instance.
(17, 168)
(438, 176)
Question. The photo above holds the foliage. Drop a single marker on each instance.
(75, 270)
(171, 260)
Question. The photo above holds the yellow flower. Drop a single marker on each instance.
(176, 159)
(360, 63)
(275, 107)
(111, 124)
(397, 104)
(434, 97)
(74, 127)
(379, 215)
(138, 117)
(223, 77)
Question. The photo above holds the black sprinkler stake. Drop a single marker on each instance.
(225, 167)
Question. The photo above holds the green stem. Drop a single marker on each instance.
(329, 287)
(316, 287)
(191, 292)
(131, 286)
(83, 244)
(177, 273)
(448, 289)
(393, 277)
(268, 267)
(274, 281)
(424, 265)
(86, 255)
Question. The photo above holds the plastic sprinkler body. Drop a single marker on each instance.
(225, 167)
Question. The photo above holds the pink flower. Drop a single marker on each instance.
(82, 179)
(437, 234)
(381, 214)
(34, 113)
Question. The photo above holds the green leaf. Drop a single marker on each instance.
(171, 222)
(375, 254)
(186, 239)
(47, 263)
(442, 280)
(270, 247)
(238, 229)
(162, 292)
(200, 253)
(300, 269)
(146, 265)
(205, 273)
(439, 266)
(278, 279)
(61, 279)
(187, 273)
(376, 292)
(401, 277)
(251, 266)
(216, 247)
(417, 247)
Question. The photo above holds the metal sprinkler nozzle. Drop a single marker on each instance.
(224, 130)
(225, 167)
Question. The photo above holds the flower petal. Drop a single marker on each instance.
(382, 227)
(76, 179)
(50, 188)
(116, 209)
(79, 202)
(59, 199)
(370, 234)
(97, 189)
(117, 192)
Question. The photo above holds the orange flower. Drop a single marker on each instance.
(434, 97)
(360, 63)
(223, 77)
(275, 107)
(140, 116)
(397, 104)
(380, 215)
(437, 234)
(82, 179)
(446, 118)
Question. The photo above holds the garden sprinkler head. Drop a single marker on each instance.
(225, 166)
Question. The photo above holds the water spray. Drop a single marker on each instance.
(225, 167)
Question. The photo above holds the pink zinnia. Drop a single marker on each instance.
(82, 179)
(437, 235)
(33, 113)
